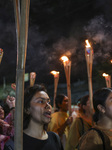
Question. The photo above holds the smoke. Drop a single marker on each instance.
(99, 31)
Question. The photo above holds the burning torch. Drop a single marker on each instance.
(89, 62)
(67, 68)
(56, 79)
(107, 79)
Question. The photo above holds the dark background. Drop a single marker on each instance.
(59, 28)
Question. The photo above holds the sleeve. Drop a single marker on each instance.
(90, 141)
(74, 135)
(8, 119)
(5, 128)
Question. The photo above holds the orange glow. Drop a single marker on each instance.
(54, 72)
(64, 58)
(87, 43)
(111, 61)
(105, 75)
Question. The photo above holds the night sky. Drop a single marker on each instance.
(58, 28)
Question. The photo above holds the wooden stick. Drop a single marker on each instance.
(67, 68)
(89, 60)
(56, 79)
(22, 35)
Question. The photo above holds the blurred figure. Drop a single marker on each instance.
(100, 136)
(7, 124)
(37, 115)
(60, 120)
(75, 112)
(80, 125)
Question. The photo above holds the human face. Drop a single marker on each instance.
(87, 106)
(40, 108)
(64, 105)
(108, 107)
(1, 113)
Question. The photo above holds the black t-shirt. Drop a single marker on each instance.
(52, 143)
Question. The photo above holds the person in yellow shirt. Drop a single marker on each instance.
(60, 120)
(80, 125)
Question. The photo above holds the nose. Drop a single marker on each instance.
(47, 105)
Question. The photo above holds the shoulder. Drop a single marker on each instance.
(52, 134)
(77, 121)
(55, 138)
(55, 114)
(90, 138)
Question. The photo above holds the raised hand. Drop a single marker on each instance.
(10, 100)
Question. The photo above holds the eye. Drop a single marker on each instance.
(40, 101)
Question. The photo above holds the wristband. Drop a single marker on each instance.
(12, 108)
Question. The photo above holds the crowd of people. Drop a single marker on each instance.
(44, 129)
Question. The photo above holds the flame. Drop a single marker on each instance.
(105, 75)
(64, 58)
(87, 43)
(54, 72)
(111, 61)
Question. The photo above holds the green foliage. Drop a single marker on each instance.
(4, 92)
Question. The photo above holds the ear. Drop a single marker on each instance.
(101, 108)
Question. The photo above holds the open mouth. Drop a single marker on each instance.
(47, 114)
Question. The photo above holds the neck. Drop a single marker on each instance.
(61, 110)
(105, 123)
(36, 130)
(87, 116)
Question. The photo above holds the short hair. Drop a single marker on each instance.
(28, 95)
(99, 97)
